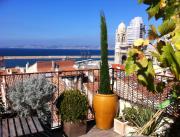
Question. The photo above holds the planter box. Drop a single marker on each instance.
(74, 129)
(123, 128)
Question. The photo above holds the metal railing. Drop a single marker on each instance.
(87, 81)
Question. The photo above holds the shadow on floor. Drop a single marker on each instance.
(90, 125)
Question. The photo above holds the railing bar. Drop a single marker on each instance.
(58, 96)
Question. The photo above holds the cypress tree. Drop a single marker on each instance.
(104, 70)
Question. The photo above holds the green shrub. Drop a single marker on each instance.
(31, 97)
(73, 106)
(138, 116)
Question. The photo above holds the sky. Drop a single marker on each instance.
(56, 23)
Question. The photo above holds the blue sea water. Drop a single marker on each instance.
(43, 52)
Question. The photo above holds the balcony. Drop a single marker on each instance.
(87, 81)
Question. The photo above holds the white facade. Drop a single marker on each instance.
(125, 38)
(121, 45)
(32, 68)
(135, 30)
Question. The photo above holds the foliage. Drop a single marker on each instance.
(104, 71)
(73, 106)
(139, 116)
(31, 96)
(166, 39)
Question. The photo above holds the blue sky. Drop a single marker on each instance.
(66, 22)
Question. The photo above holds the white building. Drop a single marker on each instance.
(121, 45)
(135, 30)
(125, 38)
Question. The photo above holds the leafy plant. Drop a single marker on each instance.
(104, 70)
(139, 116)
(166, 39)
(31, 97)
(167, 48)
(121, 118)
(73, 106)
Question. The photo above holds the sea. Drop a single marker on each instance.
(84, 53)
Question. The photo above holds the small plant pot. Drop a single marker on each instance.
(74, 129)
(124, 128)
(120, 127)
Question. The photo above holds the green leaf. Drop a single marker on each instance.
(153, 10)
(142, 80)
(150, 69)
(166, 27)
(167, 55)
(156, 55)
(130, 66)
(176, 40)
(133, 52)
(160, 13)
(164, 104)
(177, 44)
(171, 60)
(143, 61)
(177, 56)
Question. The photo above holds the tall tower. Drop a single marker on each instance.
(126, 37)
(121, 45)
(135, 30)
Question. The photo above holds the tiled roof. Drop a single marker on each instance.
(3, 72)
(118, 66)
(67, 65)
(46, 66)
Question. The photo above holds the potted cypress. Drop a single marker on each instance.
(73, 106)
(105, 102)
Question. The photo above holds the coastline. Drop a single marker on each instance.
(51, 57)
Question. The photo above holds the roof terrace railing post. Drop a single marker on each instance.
(58, 95)
(112, 86)
(5, 92)
(132, 91)
(116, 77)
(93, 82)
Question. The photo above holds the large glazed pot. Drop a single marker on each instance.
(105, 108)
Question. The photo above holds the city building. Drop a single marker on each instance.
(48, 66)
(135, 30)
(126, 36)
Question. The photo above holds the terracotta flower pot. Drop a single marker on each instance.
(72, 129)
(105, 108)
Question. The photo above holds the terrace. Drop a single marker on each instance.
(87, 81)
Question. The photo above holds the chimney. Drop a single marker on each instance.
(27, 66)
(53, 66)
